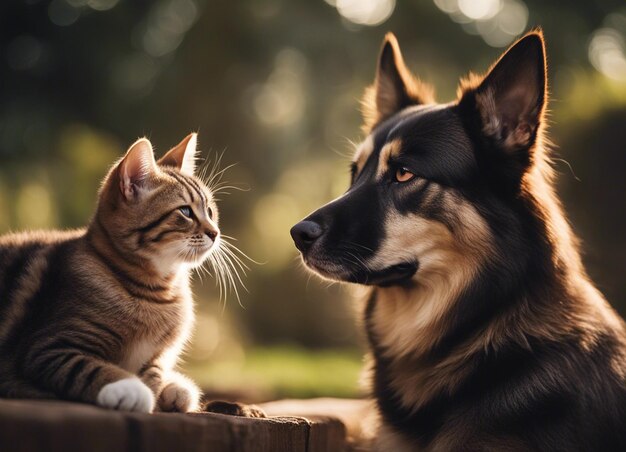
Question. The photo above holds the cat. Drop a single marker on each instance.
(100, 315)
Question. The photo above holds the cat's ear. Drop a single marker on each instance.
(183, 155)
(135, 168)
(511, 98)
(394, 87)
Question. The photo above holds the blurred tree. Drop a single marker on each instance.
(276, 84)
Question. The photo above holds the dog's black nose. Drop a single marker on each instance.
(305, 233)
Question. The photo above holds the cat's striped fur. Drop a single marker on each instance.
(100, 315)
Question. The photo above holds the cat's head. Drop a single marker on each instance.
(159, 211)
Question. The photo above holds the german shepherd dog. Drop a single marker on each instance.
(484, 328)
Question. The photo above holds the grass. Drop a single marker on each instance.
(282, 372)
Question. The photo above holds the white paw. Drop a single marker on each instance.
(182, 398)
(129, 394)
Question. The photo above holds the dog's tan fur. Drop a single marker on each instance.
(498, 340)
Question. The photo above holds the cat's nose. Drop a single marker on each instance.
(211, 233)
(305, 233)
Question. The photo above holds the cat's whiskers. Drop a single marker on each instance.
(221, 272)
(228, 270)
(237, 250)
(226, 260)
(213, 180)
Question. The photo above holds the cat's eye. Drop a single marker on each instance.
(210, 213)
(185, 210)
(403, 175)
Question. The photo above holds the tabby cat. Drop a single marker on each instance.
(100, 315)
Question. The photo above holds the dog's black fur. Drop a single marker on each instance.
(538, 357)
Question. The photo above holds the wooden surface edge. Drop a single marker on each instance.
(34, 425)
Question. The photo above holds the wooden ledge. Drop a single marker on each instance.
(33, 426)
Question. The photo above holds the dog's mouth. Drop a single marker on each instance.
(394, 275)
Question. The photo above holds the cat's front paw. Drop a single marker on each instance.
(181, 397)
(129, 394)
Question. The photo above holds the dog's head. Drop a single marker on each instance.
(432, 184)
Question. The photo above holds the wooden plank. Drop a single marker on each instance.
(326, 434)
(345, 423)
(33, 426)
(167, 432)
(42, 426)
(267, 435)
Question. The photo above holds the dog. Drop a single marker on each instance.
(484, 329)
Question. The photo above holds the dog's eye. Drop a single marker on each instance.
(185, 210)
(404, 175)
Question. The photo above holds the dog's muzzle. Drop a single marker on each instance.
(307, 232)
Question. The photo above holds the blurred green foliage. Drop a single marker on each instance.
(275, 85)
(265, 373)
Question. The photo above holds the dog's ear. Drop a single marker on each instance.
(394, 87)
(512, 96)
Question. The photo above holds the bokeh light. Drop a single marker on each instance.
(498, 22)
(479, 9)
(166, 25)
(607, 53)
(134, 75)
(61, 13)
(607, 47)
(273, 214)
(102, 5)
(364, 12)
(34, 206)
(280, 101)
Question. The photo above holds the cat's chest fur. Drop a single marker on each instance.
(138, 354)
(160, 329)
